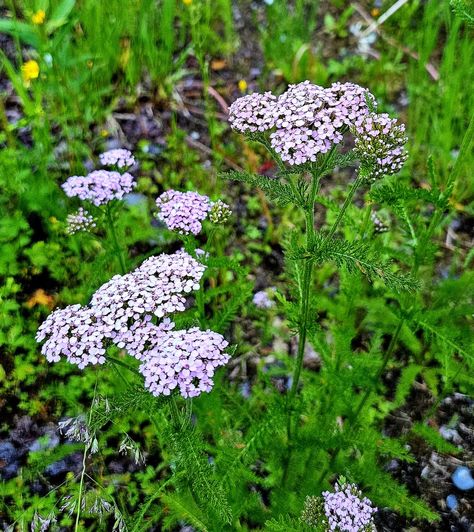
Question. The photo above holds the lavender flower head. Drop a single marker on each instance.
(183, 211)
(81, 220)
(379, 142)
(142, 336)
(123, 311)
(346, 510)
(119, 157)
(99, 187)
(253, 113)
(310, 119)
(158, 287)
(184, 359)
(73, 332)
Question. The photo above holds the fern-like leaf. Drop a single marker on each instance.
(464, 9)
(283, 194)
(358, 257)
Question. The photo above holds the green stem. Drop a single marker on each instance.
(113, 232)
(354, 416)
(365, 223)
(175, 415)
(346, 204)
(305, 290)
(81, 487)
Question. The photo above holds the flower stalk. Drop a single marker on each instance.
(116, 245)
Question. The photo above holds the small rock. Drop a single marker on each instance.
(311, 359)
(10, 471)
(43, 444)
(462, 478)
(245, 390)
(7, 452)
(449, 434)
(57, 468)
(135, 199)
(425, 472)
(452, 502)
(393, 465)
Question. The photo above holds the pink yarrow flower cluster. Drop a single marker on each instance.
(74, 332)
(308, 119)
(81, 220)
(120, 158)
(184, 212)
(186, 360)
(122, 312)
(346, 510)
(100, 186)
(158, 288)
(379, 141)
(253, 113)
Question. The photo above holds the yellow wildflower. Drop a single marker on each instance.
(30, 70)
(375, 12)
(40, 297)
(38, 17)
(187, 2)
(242, 85)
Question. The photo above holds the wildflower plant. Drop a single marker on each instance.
(135, 312)
(309, 131)
(247, 454)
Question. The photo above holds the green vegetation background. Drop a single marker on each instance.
(100, 59)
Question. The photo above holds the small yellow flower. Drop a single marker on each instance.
(104, 133)
(242, 85)
(38, 17)
(375, 12)
(30, 70)
(187, 2)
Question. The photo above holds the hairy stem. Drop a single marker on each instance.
(175, 415)
(113, 232)
(305, 289)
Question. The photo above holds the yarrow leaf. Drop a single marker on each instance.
(358, 257)
(282, 193)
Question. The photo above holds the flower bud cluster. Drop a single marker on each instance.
(379, 142)
(119, 157)
(220, 213)
(184, 212)
(81, 220)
